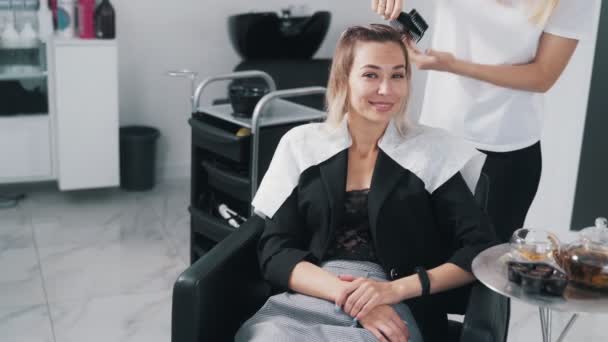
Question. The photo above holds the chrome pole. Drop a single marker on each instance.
(567, 327)
(543, 323)
(549, 324)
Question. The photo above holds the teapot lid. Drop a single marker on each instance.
(597, 234)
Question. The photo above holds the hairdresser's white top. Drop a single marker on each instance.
(494, 32)
(432, 154)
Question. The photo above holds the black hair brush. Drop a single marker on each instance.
(411, 24)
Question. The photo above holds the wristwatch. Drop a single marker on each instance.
(424, 280)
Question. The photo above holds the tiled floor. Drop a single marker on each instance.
(91, 265)
(99, 266)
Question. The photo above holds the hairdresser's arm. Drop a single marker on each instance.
(539, 75)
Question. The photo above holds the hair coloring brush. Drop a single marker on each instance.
(412, 24)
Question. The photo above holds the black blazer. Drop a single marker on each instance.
(421, 211)
(410, 227)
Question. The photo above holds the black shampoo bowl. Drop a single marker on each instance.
(265, 35)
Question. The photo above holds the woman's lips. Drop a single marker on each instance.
(381, 106)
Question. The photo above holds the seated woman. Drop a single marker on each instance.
(359, 208)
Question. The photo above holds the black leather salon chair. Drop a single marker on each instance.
(214, 296)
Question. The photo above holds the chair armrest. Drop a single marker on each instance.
(216, 294)
(487, 316)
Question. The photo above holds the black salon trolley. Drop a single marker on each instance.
(227, 167)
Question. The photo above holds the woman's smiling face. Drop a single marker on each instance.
(378, 85)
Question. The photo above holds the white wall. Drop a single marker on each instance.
(157, 35)
(566, 109)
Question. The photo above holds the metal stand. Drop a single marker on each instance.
(546, 317)
(258, 112)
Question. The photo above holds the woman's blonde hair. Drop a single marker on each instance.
(543, 11)
(337, 88)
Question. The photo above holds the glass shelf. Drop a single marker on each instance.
(6, 75)
(23, 63)
(32, 45)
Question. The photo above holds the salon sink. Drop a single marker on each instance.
(266, 35)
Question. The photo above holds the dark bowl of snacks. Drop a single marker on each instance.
(537, 278)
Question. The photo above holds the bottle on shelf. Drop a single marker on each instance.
(53, 6)
(86, 23)
(105, 20)
(45, 21)
(65, 18)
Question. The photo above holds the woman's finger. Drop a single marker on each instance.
(427, 62)
(390, 4)
(401, 326)
(393, 332)
(413, 52)
(351, 300)
(411, 45)
(381, 7)
(342, 297)
(423, 61)
(354, 297)
(396, 10)
(346, 277)
(361, 302)
(386, 330)
(378, 334)
(371, 304)
(374, 5)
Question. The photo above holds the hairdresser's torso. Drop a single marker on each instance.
(492, 32)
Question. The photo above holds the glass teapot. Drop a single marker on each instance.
(585, 260)
(533, 245)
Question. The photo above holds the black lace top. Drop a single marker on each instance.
(353, 240)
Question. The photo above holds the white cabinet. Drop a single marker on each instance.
(76, 143)
(25, 147)
(83, 86)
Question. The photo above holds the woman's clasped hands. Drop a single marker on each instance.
(360, 295)
(369, 302)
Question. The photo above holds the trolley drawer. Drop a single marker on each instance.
(220, 140)
(209, 226)
(230, 183)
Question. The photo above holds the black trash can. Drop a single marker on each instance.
(138, 157)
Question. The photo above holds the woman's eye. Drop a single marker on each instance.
(370, 75)
(398, 76)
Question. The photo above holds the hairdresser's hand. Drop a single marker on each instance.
(386, 325)
(389, 9)
(431, 59)
(362, 295)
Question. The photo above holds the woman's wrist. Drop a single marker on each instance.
(337, 288)
(458, 67)
(407, 287)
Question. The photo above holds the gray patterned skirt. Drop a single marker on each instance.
(294, 317)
